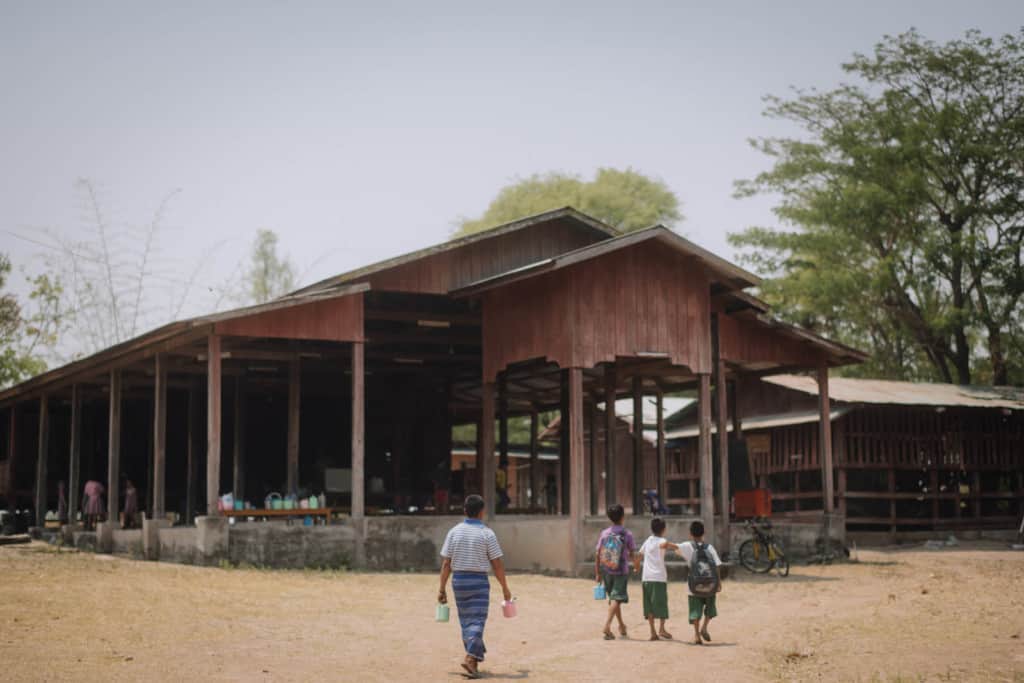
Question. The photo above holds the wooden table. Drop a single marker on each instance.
(288, 515)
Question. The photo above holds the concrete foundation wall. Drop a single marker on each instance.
(799, 540)
(398, 543)
(275, 544)
(536, 544)
(178, 544)
(127, 542)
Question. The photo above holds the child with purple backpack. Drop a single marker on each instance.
(612, 560)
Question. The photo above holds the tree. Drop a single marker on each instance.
(269, 275)
(26, 333)
(626, 200)
(907, 195)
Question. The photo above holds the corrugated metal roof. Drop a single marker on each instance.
(889, 392)
(761, 422)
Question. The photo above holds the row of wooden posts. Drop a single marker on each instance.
(213, 438)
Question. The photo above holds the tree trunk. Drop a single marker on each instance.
(1000, 373)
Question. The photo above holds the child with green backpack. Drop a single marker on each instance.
(612, 560)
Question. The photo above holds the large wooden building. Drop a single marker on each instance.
(368, 372)
(908, 457)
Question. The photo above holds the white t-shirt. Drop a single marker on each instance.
(687, 549)
(654, 559)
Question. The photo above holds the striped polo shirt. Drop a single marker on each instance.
(471, 546)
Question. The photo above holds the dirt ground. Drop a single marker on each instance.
(896, 615)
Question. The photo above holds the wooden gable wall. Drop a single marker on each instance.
(338, 319)
(644, 299)
(447, 270)
(745, 342)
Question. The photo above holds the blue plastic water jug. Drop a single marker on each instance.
(599, 593)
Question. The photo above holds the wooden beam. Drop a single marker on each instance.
(564, 465)
(662, 487)
(534, 465)
(159, 435)
(238, 440)
(486, 451)
(213, 422)
(577, 475)
(825, 439)
(42, 459)
(75, 464)
(502, 421)
(471, 319)
(114, 447)
(721, 419)
(12, 454)
(294, 416)
(358, 431)
(192, 452)
(610, 493)
(595, 462)
(638, 444)
(707, 483)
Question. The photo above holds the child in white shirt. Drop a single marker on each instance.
(655, 578)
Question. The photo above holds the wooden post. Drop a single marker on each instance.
(595, 462)
(722, 427)
(610, 493)
(577, 476)
(159, 435)
(707, 482)
(638, 445)
(486, 452)
(976, 495)
(840, 465)
(502, 421)
(74, 467)
(825, 439)
(535, 500)
(213, 404)
(564, 468)
(358, 431)
(734, 413)
(892, 499)
(12, 454)
(662, 487)
(192, 452)
(933, 489)
(114, 447)
(294, 407)
(238, 440)
(41, 460)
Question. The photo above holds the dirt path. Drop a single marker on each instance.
(954, 614)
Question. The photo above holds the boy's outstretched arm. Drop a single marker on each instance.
(669, 545)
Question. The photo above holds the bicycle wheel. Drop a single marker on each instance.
(754, 556)
(781, 561)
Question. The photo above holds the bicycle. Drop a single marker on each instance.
(761, 553)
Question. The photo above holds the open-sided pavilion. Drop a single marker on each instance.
(369, 370)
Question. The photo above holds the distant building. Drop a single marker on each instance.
(908, 456)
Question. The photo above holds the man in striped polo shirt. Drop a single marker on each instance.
(470, 550)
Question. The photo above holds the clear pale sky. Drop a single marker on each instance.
(361, 132)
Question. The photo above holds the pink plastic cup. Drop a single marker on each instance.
(508, 608)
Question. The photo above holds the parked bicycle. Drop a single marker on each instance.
(761, 552)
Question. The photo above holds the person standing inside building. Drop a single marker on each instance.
(470, 550)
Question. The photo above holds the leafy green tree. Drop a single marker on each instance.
(626, 200)
(907, 198)
(269, 274)
(25, 334)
